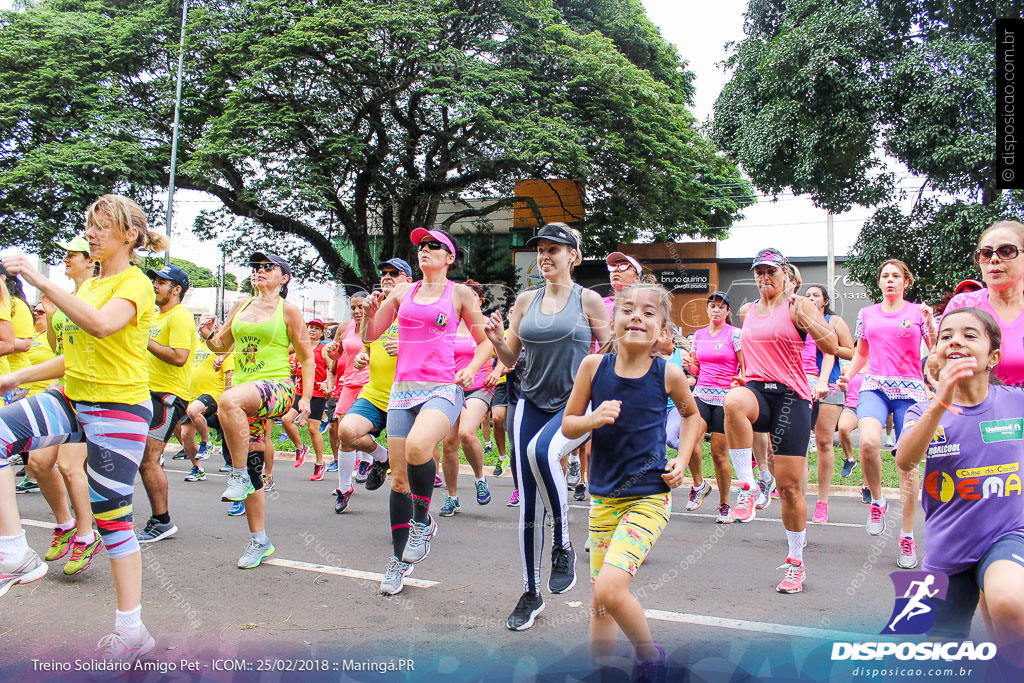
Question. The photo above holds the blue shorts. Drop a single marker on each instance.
(400, 420)
(377, 417)
(877, 405)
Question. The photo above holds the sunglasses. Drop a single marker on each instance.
(432, 245)
(39, 311)
(389, 273)
(621, 267)
(263, 267)
(1005, 252)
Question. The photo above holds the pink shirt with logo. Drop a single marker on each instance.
(426, 351)
(718, 364)
(894, 351)
(773, 349)
(1011, 364)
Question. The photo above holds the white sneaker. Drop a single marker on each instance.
(697, 496)
(876, 519)
(394, 577)
(120, 647)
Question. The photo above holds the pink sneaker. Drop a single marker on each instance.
(820, 512)
(793, 581)
(745, 500)
(300, 456)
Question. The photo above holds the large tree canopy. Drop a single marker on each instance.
(822, 90)
(346, 118)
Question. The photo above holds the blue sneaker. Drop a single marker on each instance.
(450, 507)
(237, 508)
(323, 426)
(333, 467)
(204, 450)
(483, 494)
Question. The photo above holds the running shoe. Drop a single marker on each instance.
(418, 546)
(394, 576)
(527, 609)
(123, 648)
(793, 580)
(745, 510)
(651, 670)
(820, 512)
(483, 494)
(724, 514)
(767, 491)
(155, 531)
(283, 436)
(586, 545)
(362, 469)
(849, 465)
(81, 555)
(775, 495)
(60, 544)
(333, 467)
(488, 449)
(907, 559)
(697, 496)
(16, 460)
(438, 482)
(224, 469)
(20, 473)
(499, 467)
(26, 570)
(341, 504)
(865, 495)
(563, 569)
(268, 483)
(239, 487)
(323, 426)
(196, 474)
(300, 455)
(450, 507)
(237, 508)
(255, 553)
(204, 451)
(572, 476)
(876, 519)
(581, 492)
(889, 445)
(180, 455)
(813, 445)
(162, 460)
(26, 486)
(318, 472)
(377, 475)
(513, 500)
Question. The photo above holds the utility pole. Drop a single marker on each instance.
(174, 133)
(830, 264)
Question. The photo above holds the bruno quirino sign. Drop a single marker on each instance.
(685, 280)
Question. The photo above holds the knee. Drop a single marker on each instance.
(467, 437)
(194, 411)
(789, 490)
(606, 595)
(68, 470)
(735, 405)
(1006, 608)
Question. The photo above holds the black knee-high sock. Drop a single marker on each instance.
(400, 505)
(421, 483)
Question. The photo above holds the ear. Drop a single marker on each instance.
(993, 358)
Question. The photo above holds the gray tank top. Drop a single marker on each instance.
(554, 345)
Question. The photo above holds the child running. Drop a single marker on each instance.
(630, 476)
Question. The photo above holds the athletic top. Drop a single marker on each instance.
(176, 329)
(39, 352)
(971, 490)
(261, 349)
(382, 370)
(628, 456)
(465, 347)
(718, 365)
(319, 371)
(1011, 365)
(21, 321)
(114, 369)
(348, 376)
(894, 353)
(554, 346)
(426, 350)
(57, 323)
(609, 304)
(5, 315)
(813, 358)
(206, 380)
(853, 390)
(772, 349)
(675, 359)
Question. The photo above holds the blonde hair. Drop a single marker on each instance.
(122, 214)
(907, 275)
(579, 241)
(1016, 226)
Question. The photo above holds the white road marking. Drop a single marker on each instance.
(755, 626)
(756, 519)
(344, 571)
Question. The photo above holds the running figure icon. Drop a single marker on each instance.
(915, 605)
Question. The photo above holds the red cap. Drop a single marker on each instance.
(968, 286)
(318, 322)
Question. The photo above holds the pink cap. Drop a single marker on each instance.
(617, 256)
(420, 234)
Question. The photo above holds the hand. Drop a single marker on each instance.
(303, 411)
(955, 372)
(8, 382)
(391, 346)
(47, 305)
(674, 472)
(927, 314)
(326, 387)
(218, 362)
(206, 321)
(464, 378)
(738, 381)
(842, 383)
(495, 328)
(605, 414)
(820, 390)
(361, 361)
(22, 266)
(371, 304)
(492, 378)
(685, 357)
(332, 347)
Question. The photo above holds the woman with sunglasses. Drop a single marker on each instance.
(426, 398)
(555, 325)
(890, 335)
(1003, 272)
(260, 331)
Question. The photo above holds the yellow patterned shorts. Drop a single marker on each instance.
(623, 530)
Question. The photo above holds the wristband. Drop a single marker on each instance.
(210, 336)
(953, 409)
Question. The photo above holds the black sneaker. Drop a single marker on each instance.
(341, 503)
(563, 570)
(527, 609)
(581, 492)
(377, 475)
(20, 473)
(180, 455)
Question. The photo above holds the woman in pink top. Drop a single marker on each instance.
(776, 399)
(426, 397)
(890, 335)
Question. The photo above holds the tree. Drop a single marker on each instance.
(197, 275)
(822, 91)
(338, 121)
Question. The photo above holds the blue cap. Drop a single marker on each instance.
(398, 263)
(173, 273)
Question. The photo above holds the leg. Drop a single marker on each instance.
(41, 464)
(473, 414)
(153, 477)
(723, 466)
(1003, 607)
(355, 433)
(824, 430)
(695, 463)
(288, 424)
(430, 427)
(188, 442)
(71, 459)
(741, 412)
(233, 411)
(313, 427)
(611, 592)
(761, 445)
(450, 459)
(498, 415)
(790, 471)
(847, 423)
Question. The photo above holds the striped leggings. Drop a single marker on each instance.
(115, 436)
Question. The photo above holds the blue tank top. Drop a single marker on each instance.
(628, 457)
(833, 376)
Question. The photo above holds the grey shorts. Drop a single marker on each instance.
(400, 420)
(482, 394)
(836, 398)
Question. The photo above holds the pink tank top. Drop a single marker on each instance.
(1011, 363)
(810, 357)
(465, 347)
(352, 346)
(773, 349)
(426, 339)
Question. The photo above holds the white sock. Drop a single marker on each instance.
(483, 479)
(796, 543)
(764, 475)
(260, 537)
(364, 457)
(13, 547)
(346, 461)
(67, 525)
(240, 470)
(380, 454)
(487, 445)
(574, 458)
(128, 622)
(907, 534)
(88, 538)
(741, 465)
(880, 502)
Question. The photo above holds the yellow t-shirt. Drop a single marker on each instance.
(21, 320)
(39, 352)
(114, 369)
(177, 329)
(206, 380)
(382, 370)
(5, 316)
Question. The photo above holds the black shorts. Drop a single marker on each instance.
(713, 416)
(169, 411)
(332, 403)
(500, 395)
(209, 404)
(783, 415)
(316, 407)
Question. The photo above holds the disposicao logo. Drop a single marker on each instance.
(914, 611)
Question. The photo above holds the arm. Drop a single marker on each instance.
(377, 315)
(574, 423)
(597, 316)
(227, 379)
(334, 348)
(691, 427)
(51, 369)
(508, 349)
(6, 337)
(51, 334)
(807, 317)
(740, 379)
(928, 322)
(845, 350)
(22, 344)
(860, 358)
(171, 356)
(223, 341)
(914, 440)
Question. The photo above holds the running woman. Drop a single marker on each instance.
(427, 397)
(211, 377)
(555, 325)
(822, 374)
(776, 399)
(172, 341)
(21, 324)
(718, 351)
(631, 478)
(317, 404)
(969, 434)
(105, 393)
(260, 331)
(847, 425)
(890, 335)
